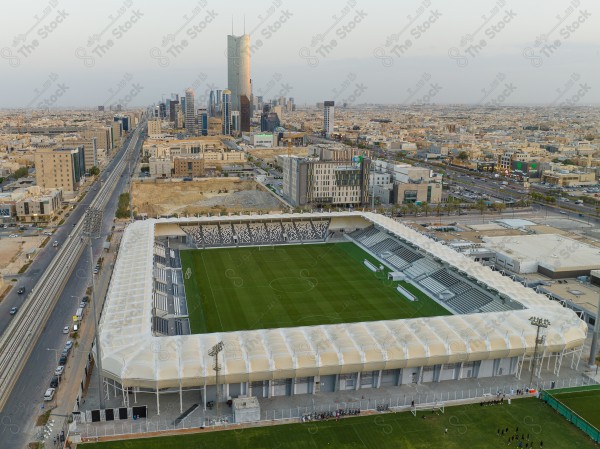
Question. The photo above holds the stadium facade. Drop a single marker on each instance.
(489, 334)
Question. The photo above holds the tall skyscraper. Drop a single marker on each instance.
(238, 76)
(226, 112)
(202, 122)
(173, 108)
(190, 112)
(328, 110)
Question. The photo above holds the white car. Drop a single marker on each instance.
(66, 329)
(12, 236)
(59, 370)
(49, 395)
(69, 345)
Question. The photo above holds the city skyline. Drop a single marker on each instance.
(501, 54)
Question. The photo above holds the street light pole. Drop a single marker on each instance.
(91, 229)
(539, 323)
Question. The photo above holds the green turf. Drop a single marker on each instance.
(469, 427)
(231, 289)
(585, 401)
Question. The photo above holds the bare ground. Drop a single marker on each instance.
(209, 195)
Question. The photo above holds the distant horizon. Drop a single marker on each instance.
(56, 53)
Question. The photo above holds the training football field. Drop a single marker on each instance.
(230, 289)
(469, 427)
(585, 401)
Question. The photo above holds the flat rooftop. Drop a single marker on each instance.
(552, 251)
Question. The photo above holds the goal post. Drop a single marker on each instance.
(433, 406)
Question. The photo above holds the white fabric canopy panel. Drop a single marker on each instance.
(132, 355)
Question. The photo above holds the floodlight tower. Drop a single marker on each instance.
(539, 323)
(214, 352)
(92, 226)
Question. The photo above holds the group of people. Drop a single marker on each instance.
(521, 441)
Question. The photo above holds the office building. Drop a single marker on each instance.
(59, 168)
(173, 109)
(39, 206)
(190, 112)
(238, 76)
(104, 137)
(202, 116)
(328, 117)
(188, 167)
(226, 113)
(311, 180)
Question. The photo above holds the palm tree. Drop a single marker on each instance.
(425, 207)
(438, 209)
(500, 207)
(411, 208)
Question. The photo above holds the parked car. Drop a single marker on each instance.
(69, 345)
(59, 370)
(49, 395)
(63, 360)
(66, 329)
(82, 304)
(54, 382)
(85, 299)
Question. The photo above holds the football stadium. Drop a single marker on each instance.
(313, 302)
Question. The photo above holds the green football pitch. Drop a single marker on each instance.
(230, 289)
(585, 401)
(469, 427)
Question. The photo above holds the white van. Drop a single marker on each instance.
(79, 314)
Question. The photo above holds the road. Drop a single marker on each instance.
(24, 404)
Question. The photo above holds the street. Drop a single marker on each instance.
(24, 405)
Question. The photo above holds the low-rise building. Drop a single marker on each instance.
(38, 206)
(188, 167)
(565, 178)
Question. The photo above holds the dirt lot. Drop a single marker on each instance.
(12, 252)
(270, 154)
(209, 195)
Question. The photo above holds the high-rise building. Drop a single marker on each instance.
(190, 112)
(202, 116)
(173, 105)
(238, 76)
(226, 112)
(59, 168)
(328, 110)
(235, 122)
(268, 119)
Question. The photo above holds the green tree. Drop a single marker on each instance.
(499, 207)
(94, 171)
(123, 206)
(425, 207)
(20, 173)
(463, 156)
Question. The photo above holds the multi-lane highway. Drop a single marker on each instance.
(57, 281)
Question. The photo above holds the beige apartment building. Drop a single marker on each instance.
(39, 206)
(188, 167)
(59, 168)
(154, 129)
(104, 139)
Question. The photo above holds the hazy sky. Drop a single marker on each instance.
(62, 53)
